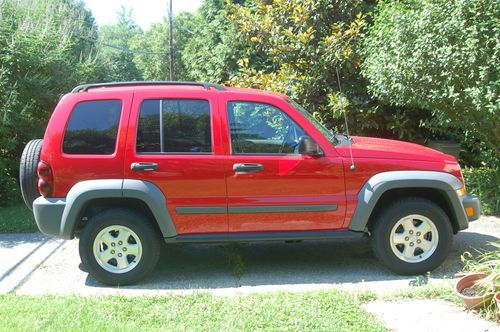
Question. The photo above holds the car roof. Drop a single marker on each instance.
(170, 85)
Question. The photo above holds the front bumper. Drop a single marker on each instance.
(472, 207)
(48, 215)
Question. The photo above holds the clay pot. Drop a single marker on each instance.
(474, 301)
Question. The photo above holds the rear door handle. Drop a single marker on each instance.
(248, 168)
(144, 166)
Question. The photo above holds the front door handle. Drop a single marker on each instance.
(248, 168)
(144, 166)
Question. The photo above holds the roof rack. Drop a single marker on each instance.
(86, 87)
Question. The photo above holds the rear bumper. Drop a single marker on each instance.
(472, 207)
(48, 215)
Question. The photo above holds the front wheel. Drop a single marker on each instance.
(412, 236)
(119, 247)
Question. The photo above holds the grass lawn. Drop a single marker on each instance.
(17, 219)
(312, 311)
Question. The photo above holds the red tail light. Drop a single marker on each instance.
(45, 179)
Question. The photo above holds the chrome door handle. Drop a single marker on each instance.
(248, 168)
(144, 166)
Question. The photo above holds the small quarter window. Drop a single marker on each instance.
(93, 127)
(174, 126)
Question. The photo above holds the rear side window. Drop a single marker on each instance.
(174, 126)
(93, 127)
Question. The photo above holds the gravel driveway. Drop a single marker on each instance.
(310, 265)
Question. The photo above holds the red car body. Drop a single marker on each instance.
(209, 180)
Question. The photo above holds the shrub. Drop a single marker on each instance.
(484, 182)
(46, 48)
(442, 56)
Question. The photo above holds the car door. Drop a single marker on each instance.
(176, 131)
(270, 186)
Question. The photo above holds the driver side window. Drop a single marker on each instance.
(258, 128)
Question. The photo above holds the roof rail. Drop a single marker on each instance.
(86, 87)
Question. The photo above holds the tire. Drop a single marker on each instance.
(101, 236)
(412, 236)
(28, 176)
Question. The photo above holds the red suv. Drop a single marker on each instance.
(125, 166)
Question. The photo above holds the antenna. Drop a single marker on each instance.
(353, 167)
(171, 40)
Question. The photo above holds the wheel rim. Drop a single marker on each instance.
(414, 238)
(117, 249)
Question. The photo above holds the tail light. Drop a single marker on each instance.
(45, 179)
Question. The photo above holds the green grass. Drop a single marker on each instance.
(283, 311)
(17, 219)
(443, 291)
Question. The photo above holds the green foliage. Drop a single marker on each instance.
(234, 259)
(17, 219)
(485, 183)
(156, 66)
(116, 64)
(487, 262)
(300, 49)
(441, 56)
(213, 51)
(303, 44)
(312, 311)
(46, 49)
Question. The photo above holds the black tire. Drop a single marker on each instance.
(28, 176)
(143, 229)
(383, 227)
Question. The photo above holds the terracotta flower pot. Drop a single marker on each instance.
(472, 301)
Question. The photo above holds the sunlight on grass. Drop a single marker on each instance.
(287, 311)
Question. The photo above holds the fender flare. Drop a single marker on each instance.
(380, 183)
(85, 191)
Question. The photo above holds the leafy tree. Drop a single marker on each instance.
(301, 47)
(155, 65)
(442, 56)
(46, 48)
(213, 51)
(118, 64)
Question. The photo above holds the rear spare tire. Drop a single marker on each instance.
(28, 177)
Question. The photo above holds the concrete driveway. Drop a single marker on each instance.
(267, 266)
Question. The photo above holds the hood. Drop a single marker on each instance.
(370, 147)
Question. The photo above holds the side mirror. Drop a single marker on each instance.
(309, 147)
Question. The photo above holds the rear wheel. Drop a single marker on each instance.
(412, 236)
(119, 247)
(28, 177)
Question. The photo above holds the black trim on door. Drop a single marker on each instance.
(200, 209)
(282, 208)
(255, 209)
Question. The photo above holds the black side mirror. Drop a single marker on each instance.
(309, 147)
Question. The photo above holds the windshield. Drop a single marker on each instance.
(328, 133)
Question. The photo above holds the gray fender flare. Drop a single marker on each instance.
(155, 200)
(84, 191)
(380, 183)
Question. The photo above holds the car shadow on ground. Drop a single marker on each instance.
(8, 240)
(213, 266)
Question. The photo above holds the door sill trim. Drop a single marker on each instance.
(264, 236)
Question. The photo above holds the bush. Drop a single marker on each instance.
(484, 182)
(46, 49)
(442, 56)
